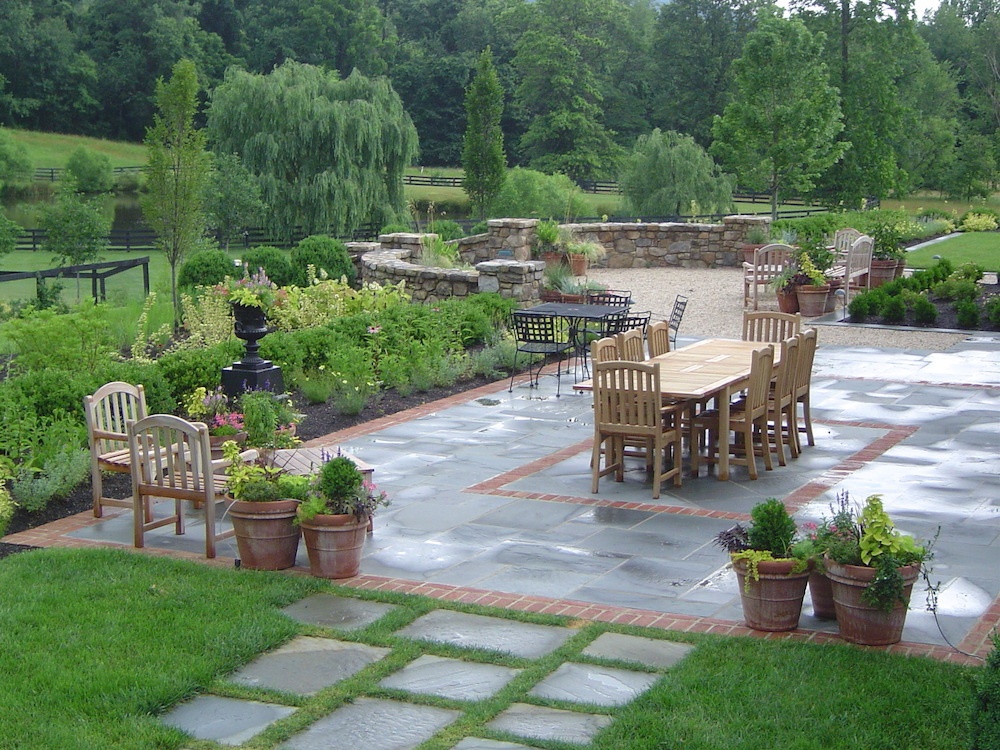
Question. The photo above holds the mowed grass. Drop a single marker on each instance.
(51, 150)
(95, 644)
(982, 248)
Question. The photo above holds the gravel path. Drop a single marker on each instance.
(715, 307)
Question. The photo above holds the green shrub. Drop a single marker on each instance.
(924, 311)
(993, 311)
(147, 374)
(986, 709)
(448, 230)
(275, 262)
(185, 370)
(527, 193)
(398, 228)
(956, 289)
(207, 267)
(771, 528)
(78, 340)
(968, 271)
(968, 313)
(6, 504)
(978, 222)
(324, 254)
(33, 489)
(894, 310)
(860, 307)
(91, 170)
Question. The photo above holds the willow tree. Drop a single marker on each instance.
(328, 153)
(177, 170)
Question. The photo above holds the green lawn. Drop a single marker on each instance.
(94, 644)
(982, 248)
(51, 150)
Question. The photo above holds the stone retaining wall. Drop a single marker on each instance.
(502, 256)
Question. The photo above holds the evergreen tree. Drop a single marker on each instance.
(177, 171)
(483, 156)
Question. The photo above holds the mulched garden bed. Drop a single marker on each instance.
(947, 317)
(320, 419)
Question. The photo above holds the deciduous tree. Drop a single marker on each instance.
(177, 171)
(780, 131)
(483, 156)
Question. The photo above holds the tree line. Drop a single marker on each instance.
(917, 101)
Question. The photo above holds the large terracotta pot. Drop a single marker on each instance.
(881, 272)
(335, 544)
(216, 441)
(553, 258)
(821, 593)
(900, 267)
(812, 300)
(859, 621)
(788, 302)
(267, 536)
(775, 601)
(578, 264)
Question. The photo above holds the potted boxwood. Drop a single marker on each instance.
(872, 569)
(772, 579)
(335, 516)
(263, 510)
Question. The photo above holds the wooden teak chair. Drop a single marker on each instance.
(770, 327)
(658, 338)
(627, 405)
(107, 410)
(768, 263)
(172, 459)
(631, 347)
(781, 406)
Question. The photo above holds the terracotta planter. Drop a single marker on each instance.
(821, 593)
(216, 441)
(266, 534)
(859, 621)
(812, 300)
(335, 544)
(788, 302)
(774, 602)
(900, 266)
(578, 264)
(552, 258)
(881, 272)
(749, 250)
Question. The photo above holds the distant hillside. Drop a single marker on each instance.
(51, 150)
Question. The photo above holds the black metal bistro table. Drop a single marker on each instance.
(577, 315)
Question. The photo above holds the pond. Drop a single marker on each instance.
(122, 209)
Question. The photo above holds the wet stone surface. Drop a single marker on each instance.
(225, 720)
(542, 723)
(450, 678)
(492, 633)
(337, 612)
(600, 686)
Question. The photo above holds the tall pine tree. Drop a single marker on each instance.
(482, 154)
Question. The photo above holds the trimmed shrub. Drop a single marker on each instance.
(860, 307)
(924, 311)
(185, 370)
(993, 311)
(968, 313)
(207, 267)
(894, 310)
(275, 262)
(325, 254)
(447, 230)
(956, 289)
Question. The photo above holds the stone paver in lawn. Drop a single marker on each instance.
(370, 724)
(650, 651)
(477, 743)
(306, 665)
(492, 633)
(600, 686)
(225, 720)
(541, 723)
(450, 678)
(339, 612)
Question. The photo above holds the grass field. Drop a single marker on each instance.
(51, 150)
(982, 248)
(189, 626)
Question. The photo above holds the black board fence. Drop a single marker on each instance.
(98, 273)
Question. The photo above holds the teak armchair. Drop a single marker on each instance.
(171, 458)
(770, 327)
(107, 410)
(627, 406)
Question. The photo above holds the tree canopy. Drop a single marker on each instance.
(332, 160)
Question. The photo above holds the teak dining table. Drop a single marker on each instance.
(710, 368)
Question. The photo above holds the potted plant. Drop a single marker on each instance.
(872, 569)
(786, 286)
(547, 243)
(582, 254)
(269, 420)
(212, 408)
(335, 517)
(263, 510)
(772, 579)
(888, 258)
(755, 239)
(812, 295)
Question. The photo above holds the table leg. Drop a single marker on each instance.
(724, 396)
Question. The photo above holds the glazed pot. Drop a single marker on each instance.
(774, 602)
(859, 621)
(335, 544)
(266, 534)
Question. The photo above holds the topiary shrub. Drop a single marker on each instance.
(924, 311)
(206, 267)
(325, 254)
(275, 262)
(894, 310)
(860, 307)
(993, 311)
(772, 529)
(968, 313)
(986, 709)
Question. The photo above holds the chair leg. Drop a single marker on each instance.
(807, 420)
(789, 424)
(779, 438)
(765, 444)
